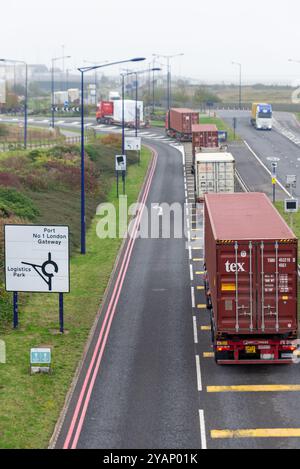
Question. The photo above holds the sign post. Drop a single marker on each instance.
(134, 144)
(274, 180)
(120, 167)
(37, 261)
(291, 205)
(234, 127)
(40, 360)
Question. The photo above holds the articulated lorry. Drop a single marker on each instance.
(110, 113)
(251, 281)
(179, 123)
(262, 116)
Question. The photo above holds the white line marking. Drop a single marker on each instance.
(191, 273)
(268, 171)
(193, 299)
(195, 330)
(198, 368)
(202, 430)
(190, 253)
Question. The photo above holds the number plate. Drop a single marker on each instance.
(251, 350)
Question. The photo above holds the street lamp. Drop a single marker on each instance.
(52, 85)
(95, 63)
(240, 91)
(84, 70)
(136, 73)
(169, 76)
(26, 95)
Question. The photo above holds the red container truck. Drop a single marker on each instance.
(251, 280)
(204, 136)
(179, 123)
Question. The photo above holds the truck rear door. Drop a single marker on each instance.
(257, 287)
(277, 287)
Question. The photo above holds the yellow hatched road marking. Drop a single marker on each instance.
(198, 259)
(201, 306)
(208, 355)
(197, 229)
(200, 273)
(197, 249)
(255, 388)
(200, 288)
(205, 328)
(257, 433)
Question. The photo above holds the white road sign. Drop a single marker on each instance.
(37, 259)
(133, 143)
(120, 162)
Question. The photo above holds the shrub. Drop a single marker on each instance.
(6, 310)
(14, 203)
(112, 140)
(9, 180)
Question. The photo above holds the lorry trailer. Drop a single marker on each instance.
(111, 113)
(179, 122)
(214, 172)
(204, 136)
(251, 280)
(262, 116)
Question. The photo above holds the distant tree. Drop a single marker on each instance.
(202, 95)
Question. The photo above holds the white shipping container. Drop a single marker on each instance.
(114, 96)
(73, 94)
(129, 108)
(60, 97)
(215, 172)
(2, 92)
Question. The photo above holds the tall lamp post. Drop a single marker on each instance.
(169, 75)
(91, 62)
(84, 70)
(52, 85)
(136, 73)
(22, 62)
(240, 85)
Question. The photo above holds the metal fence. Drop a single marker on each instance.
(45, 143)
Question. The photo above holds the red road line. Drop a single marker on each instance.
(114, 299)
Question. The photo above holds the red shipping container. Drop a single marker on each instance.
(204, 136)
(182, 120)
(251, 258)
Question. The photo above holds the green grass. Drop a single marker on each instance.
(221, 125)
(293, 222)
(31, 404)
(157, 123)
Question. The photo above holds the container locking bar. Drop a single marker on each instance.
(237, 325)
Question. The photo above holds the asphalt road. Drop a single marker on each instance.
(268, 145)
(157, 385)
(145, 394)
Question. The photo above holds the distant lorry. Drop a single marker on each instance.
(179, 122)
(110, 113)
(251, 280)
(262, 116)
(214, 172)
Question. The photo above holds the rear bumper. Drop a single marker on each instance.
(255, 362)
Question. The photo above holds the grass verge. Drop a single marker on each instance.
(30, 405)
(221, 125)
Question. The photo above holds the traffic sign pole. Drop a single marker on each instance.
(61, 312)
(16, 310)
(117, 173)
(124, 182)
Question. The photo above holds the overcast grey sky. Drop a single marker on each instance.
(260, 34)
